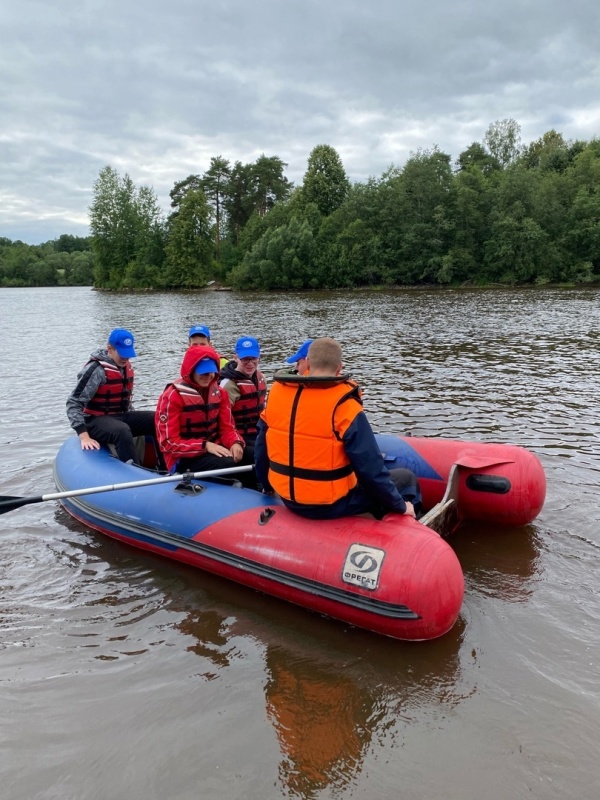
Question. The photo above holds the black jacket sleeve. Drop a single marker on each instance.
(368, 464)
(261, 458)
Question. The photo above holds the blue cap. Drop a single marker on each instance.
(206, 365)
(122, 340)
(247, 347)
(199, 330)
(302, 352)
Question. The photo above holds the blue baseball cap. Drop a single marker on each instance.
(206, 365)
(247, 347)
(302, 352)
(199, 330)
(122, 340)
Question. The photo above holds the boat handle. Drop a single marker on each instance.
(265, 516)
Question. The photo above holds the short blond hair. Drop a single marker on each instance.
(325, 354)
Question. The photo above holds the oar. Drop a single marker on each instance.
(8, 503)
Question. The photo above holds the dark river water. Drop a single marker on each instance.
(125, 676)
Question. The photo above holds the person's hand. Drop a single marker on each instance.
(410, 510)
(217, 449)
(237, 451)
(87, 443)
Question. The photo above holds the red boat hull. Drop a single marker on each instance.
(500, 484)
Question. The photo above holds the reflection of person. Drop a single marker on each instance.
(99, 408)
(246, 386)
(316, 449)
(322, 720)
(193, 417)
(200, 334)
(326, 704)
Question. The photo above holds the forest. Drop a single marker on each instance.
(66, 261)
(503, 213)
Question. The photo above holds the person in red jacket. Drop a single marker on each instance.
(194, 423)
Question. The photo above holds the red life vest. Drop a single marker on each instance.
(199, 418)
(113, 396)
(247, 408)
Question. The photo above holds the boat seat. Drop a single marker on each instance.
(146, 453)
(139, 442)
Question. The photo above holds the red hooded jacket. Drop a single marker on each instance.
(188, 415)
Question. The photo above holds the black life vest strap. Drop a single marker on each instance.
(299, 473)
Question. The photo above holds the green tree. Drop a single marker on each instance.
(112, 226)
(20, 266)
(282, 258)
(124, 222)
(325, 181)
(545, 149)
(150, 240)
(181, 188)
(473, 200)
(237, 199)
(214, 183)
(72, 244)
(476, 157)
(515, 249)
(417, 216)
(80, 271)
(189, 245)
(503, 140)
(280, 214)
(582, 228)
(268, 183)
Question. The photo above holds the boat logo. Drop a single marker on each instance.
(362, 566)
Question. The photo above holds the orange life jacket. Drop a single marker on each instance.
(306, 424)
(246, 409)
(199, 418)
(113, 396)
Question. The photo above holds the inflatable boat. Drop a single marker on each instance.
(396, 577)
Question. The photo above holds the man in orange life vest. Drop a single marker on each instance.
(100, 409)
(316, 449)
(247, 389)
(194, 423)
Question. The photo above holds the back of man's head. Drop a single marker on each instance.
(325, 356)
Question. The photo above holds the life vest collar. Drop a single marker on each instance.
(315, 381)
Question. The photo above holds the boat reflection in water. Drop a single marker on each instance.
(504, 565)
(332, 692)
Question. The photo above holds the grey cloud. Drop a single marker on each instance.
(156, 89)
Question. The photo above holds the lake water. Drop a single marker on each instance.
(125, 676)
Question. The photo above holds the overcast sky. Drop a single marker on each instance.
(156, 88)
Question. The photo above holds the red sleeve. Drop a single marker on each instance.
(227, 432)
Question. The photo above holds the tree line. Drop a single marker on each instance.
(66, 261)
(504, 212)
